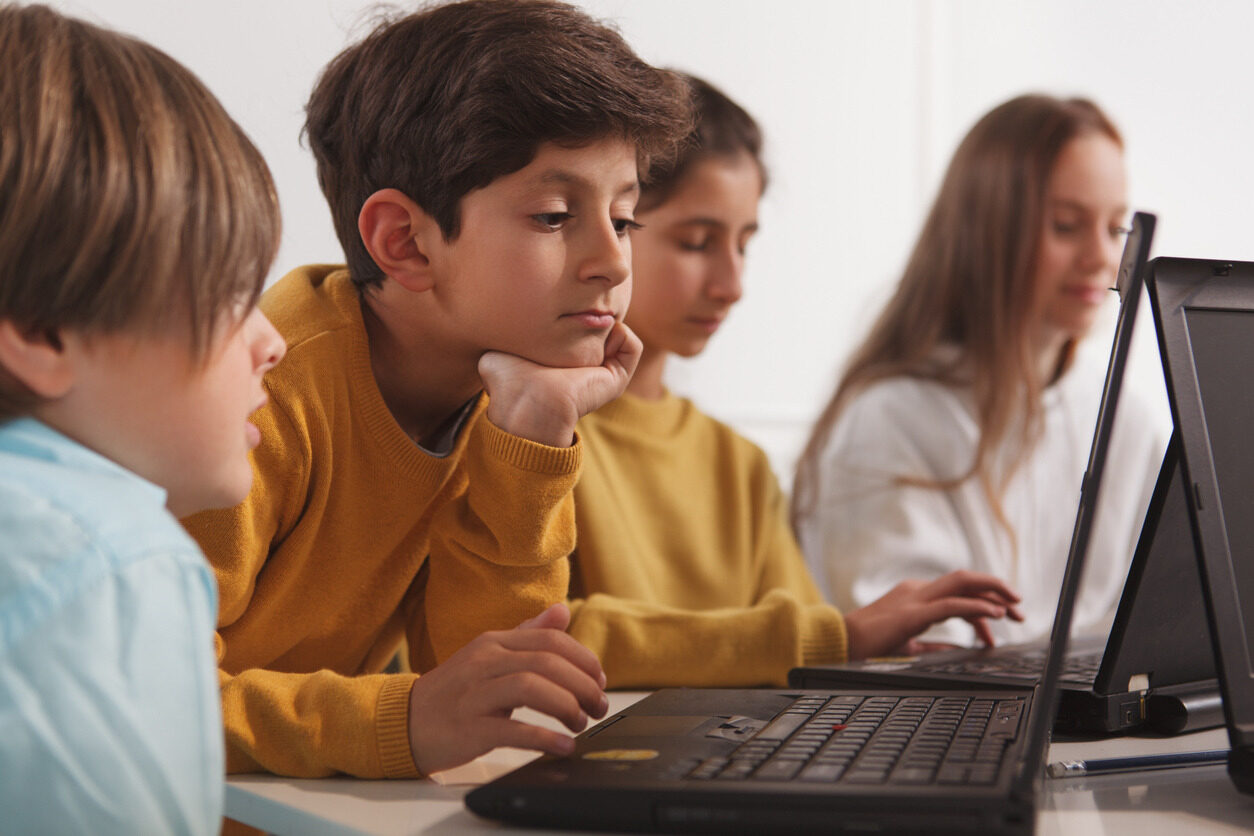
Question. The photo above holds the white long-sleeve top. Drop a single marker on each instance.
(867, 531)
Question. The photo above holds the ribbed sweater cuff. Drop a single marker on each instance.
(823, 637)
(395, 757)
(531, 455)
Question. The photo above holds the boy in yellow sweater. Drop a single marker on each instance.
(418, 450)
(687, 572)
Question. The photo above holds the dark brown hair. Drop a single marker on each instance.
(129, 200)
(968, 284)
(448, 99)
(722, 128)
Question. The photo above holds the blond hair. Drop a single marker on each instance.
(129, 199)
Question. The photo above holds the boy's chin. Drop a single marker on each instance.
(585, 353)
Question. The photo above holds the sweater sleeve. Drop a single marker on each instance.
(498, 551)
(869, 531)
(781, 563)
(299, 724)
(715, 594)
(646, 645)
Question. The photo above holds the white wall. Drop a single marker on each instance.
(861, 100)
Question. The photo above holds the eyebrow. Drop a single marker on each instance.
(1068, 203)
(557, 175)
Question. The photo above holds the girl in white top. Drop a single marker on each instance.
(959, 432)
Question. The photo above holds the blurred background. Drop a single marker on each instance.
(862, 103)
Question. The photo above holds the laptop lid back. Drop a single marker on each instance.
(1128, 283)
(1204, 310)
(1144, 649)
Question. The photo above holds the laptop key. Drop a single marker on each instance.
(782, 726)
(822, 772)
(866, 776)
(912, 775)
(983, 774)
(952, 773)
(779, 770)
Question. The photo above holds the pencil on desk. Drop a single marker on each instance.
(1137, 763)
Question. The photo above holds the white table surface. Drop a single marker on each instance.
(1174, 801)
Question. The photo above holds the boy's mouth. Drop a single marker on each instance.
(594, 318)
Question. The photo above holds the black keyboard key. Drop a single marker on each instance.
(952, 774)
(822, 772)
(779, 770)
(913, 775)
(783, 726)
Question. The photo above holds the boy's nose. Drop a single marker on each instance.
(609, 258)
(269, 345)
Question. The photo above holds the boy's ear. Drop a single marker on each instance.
(37, 359)
(400, 237)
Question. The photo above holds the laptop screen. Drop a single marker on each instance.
(1223, 350)
(1205, 317)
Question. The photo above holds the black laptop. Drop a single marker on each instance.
(1147, 671)
(1204, 311)
(797, 760)
(1107, 682)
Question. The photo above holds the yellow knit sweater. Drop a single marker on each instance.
(353, 538)
(686, 571)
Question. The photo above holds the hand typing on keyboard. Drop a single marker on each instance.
(889, 625)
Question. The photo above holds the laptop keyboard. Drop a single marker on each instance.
(876, 740)
(1078, 667)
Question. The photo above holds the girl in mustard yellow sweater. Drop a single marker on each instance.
(686, 570)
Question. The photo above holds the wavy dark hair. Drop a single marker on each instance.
(448, 99)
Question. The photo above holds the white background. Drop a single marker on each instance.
(862, 102)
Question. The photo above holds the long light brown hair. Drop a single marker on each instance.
(969, 284)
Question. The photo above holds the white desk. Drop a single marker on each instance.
(1192, 800)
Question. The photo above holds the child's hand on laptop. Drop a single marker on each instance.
(889, 624)
(461, 709)
(542, 403)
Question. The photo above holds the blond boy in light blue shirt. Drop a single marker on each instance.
(137, 223)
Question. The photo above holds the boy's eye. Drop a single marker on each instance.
(1065, 227)
(624, 225)
(698, 245)
(1117, 232)
(552, 220)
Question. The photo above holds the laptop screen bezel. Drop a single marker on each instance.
(1128, 283)
(1178, 286)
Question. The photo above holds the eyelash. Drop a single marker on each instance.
(704, 245)
(553, 221)
(1068, 229)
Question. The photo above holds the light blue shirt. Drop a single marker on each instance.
(110, 719)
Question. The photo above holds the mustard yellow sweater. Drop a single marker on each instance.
(686, 570)
(353, 538)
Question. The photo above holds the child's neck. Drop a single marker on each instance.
(422, 382)
(647, 382)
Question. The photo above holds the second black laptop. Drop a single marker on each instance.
(1108, 685)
